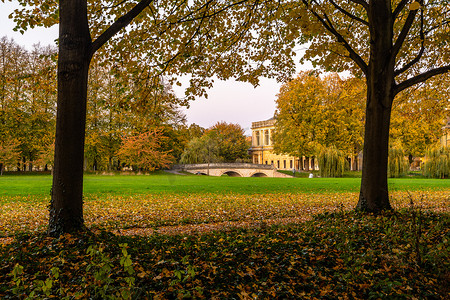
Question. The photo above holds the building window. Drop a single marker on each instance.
(257, 138)
(278, 164)
(271, 162)
(284, 164)
(290, 164)
(266, 137)
(266, 162)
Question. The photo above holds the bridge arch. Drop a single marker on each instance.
(231, 174)
(259, 174)
(201, 173)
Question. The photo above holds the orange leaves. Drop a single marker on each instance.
(9, 153)
(144, 151)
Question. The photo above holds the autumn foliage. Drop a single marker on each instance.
(223, 142)
(9, 154)
(437, 162)
(315, 113)
(334, 254)
(143, 151)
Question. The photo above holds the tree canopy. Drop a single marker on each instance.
(314, 112)
(223, 142)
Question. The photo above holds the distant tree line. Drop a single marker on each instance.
(133, 120)
(323, 117)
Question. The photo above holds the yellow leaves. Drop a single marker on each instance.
(194, 213)
(414, 6)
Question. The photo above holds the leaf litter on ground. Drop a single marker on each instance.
(232, 246)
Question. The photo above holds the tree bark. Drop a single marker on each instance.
(66, 206)
(380, 78)
(374, 196)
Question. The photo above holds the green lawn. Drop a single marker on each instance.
(168, 183)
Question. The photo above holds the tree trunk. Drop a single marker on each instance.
(66, 206)
(355, 163)
(374, 195)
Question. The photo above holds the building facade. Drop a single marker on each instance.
(262, 153)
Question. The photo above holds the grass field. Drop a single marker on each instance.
(166, 236)
(150, 202)
(169, 183)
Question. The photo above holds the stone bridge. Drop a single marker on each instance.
(232, 170)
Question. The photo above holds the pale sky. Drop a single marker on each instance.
(229, 101)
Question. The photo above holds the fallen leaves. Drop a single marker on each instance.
(335, 255)
(208, 245)
(175, 213)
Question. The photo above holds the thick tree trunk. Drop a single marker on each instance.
(374, 196)
(66, 207)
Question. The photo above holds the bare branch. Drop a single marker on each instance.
(119, 24)
(421, 78)
(348, 14)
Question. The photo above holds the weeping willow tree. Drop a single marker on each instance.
(437, 162)
(201, 150)
(332, 162)
(397, 162)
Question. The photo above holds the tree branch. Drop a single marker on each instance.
(419, 55)
(119, 24)
(420, 78)
(224, 8)
(411, 63)
(406, 27)
(328, 26)
(363, 3)
(348, 14)
(399, 8)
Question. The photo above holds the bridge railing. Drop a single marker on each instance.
(223, 166)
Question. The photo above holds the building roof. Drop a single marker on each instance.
(267, 123)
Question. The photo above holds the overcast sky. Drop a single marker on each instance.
(229, 101)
